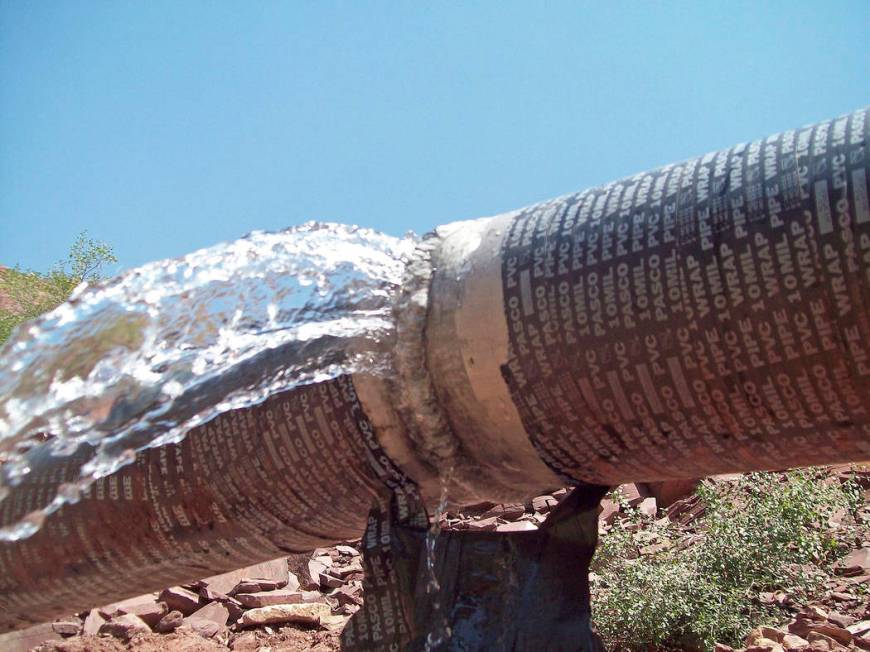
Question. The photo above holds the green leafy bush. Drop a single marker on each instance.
(762, 533)
(25, 294)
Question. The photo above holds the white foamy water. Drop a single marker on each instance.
(144, 357)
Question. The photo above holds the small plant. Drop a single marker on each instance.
(763, 532)
(27, 294)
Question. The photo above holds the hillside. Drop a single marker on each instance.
(24, 295)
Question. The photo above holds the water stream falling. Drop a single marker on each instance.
(439, 631)
(141, 359)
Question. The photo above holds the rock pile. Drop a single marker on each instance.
(235, 611)
(303, 601)
(838, 621)
(311, 594)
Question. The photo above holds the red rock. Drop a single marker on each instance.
(333, 622)
(856, 562)
(329, 581)
(543, 504)
(274, 570)
(208, 621)
(840, 620)
(721, 647)
(822, 643)
(204, 628)
(125, 627)
(235, 609)
(179, 599)
(67, 627)
(670, 491)
(860, 628)
(246, 642)
(839, 634)
(478, 508)
(348, 595)
(813, 612)
(764, 639)
(107, 611)
(210, 595)
(793, 643)
(608, 511)
(764, 645)
(517, 526)
(313, 596)
(484, 524)
(342, 572)
(306, 613)
(347, 550)
(267, 584)
(800, 626)
(314, 569)
(772, 633)
(214, 612)
(633, 493)
(93, 621)
(150, 612)
(170, 622)
(507, 512)
(648, 507)
(266, 598)
(560, 494)
(245, 586)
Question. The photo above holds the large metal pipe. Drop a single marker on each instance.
(706, 317)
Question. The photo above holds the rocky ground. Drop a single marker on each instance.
(302, 602)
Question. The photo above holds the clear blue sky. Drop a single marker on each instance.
(162, 127)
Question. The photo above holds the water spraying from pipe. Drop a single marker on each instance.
(707, 317)
(143, 358)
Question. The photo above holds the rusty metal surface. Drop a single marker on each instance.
(285, 476)
(706, 317)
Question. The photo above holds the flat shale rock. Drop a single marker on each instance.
(151, 612)
(170, 622)
(274, 571)
(268, 598)
(93, 621)
(856, 562)
(347, 550)
(518, 526)
(179, 599)
(125, 627)
(208, 621)
(308, 613)
(67, 627)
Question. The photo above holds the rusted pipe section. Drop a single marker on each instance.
(286, 476)
(706, 317)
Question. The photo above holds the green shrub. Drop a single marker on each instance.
(25, 294)
(762, 533)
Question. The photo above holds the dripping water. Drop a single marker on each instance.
(440, 629)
